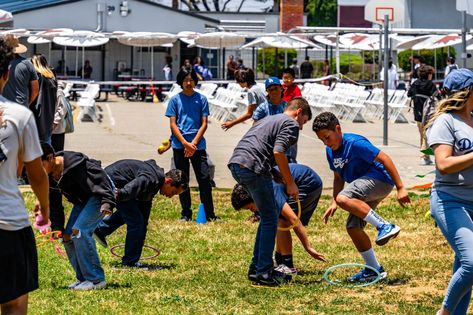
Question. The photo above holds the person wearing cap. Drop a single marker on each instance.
(87, 186)
(450, 135)
(274, 101)
(18, 144)
(23, 85)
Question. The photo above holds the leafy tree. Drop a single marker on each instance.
(271, 65)
(321, 12)
(428, 55)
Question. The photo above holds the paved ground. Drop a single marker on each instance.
(134, 129)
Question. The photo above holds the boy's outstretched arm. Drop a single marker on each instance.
(402, 195)
(338, 184)
(300, 231)
(291, 187)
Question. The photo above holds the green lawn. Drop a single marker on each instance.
(204, 269)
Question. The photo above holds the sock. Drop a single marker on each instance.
(374, 219)
(370, 258)
(287, 260)
(278, 258)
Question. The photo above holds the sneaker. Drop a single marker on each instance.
(89, 285)
(212, 183)
(367, 275)
(75, 284)
(100, 238)
(286, 270)
(252, 273)
(387, 232)
(185, 218)
(273, 278)
(138, 265)
(215, 219)
(426, 161)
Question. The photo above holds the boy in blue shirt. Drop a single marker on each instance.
(310, 189)
(188, 114)
(274, 104)
(371, 175)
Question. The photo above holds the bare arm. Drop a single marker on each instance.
(201, 131)
(446, 163)
(39, 183)
(34, 91)
(291, 187)
(402, 196)
(249, 112)
(338, 184)
(300, 231)
(188, 147)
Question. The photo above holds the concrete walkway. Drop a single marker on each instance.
(135, 129)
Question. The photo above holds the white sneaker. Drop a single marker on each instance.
(89, 285)
(286, 270)
(426, 161)
(73, 285)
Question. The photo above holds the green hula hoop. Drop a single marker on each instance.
(345, 284)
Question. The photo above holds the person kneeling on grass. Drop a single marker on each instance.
(137, 183)
(86, 185)
(310, 189)
(371, 174)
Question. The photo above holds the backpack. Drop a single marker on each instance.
(69, 118)
(430, 105)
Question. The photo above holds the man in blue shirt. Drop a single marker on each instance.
(371, 174)
(310, 189)
(188, 112)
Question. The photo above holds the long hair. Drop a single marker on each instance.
(41, 66)
(454, 103)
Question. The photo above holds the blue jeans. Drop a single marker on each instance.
(454, 218)
(135, 214)
(261, 190)
(81, 249)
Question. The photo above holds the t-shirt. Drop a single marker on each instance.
(356, 158)
(268, 109)
(452, 130)
(21, 74)
(290, 92)
(255, 151)
(306, 179)
(188, 111)
(393, 77)
(256, 95)
(20, 126)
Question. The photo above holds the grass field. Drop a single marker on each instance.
(204, 269)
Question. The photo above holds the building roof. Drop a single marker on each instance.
(18, 6)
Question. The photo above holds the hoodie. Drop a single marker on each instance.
(82, 178)
(140, 180)
(420, 91)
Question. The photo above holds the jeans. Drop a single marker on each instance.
(135, 214)
(261, 190)
(454, 218)
(81, 249)
(201, 170)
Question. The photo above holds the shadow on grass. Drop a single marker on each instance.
(144, 267)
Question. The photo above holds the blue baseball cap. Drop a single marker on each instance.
(458, 80)
(272, 81)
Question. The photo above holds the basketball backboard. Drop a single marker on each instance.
(375, 10)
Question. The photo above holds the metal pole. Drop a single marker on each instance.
(464, 30)
(337, 54)
(386, 79)
(380, 53)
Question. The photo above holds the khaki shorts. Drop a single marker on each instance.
(370, 190)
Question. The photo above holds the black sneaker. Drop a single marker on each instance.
(273, 278)
(100, 238)
(185, 218)
(215, 219)
(252, 273)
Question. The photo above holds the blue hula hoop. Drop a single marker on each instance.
(345, 284)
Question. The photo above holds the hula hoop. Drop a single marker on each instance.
(342, 284)
(298, 218)
(157, 252)
(47, 237)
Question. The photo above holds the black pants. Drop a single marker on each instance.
(56, 208)
(201, 170)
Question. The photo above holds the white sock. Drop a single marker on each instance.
(370, 258)
(374, 219)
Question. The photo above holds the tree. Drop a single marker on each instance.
(321, 12)
(218, 5)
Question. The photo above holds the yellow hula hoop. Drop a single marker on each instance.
(298, 218)
(50, 233)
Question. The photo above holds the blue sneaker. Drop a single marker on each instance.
(387, 232)
(367, 275)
